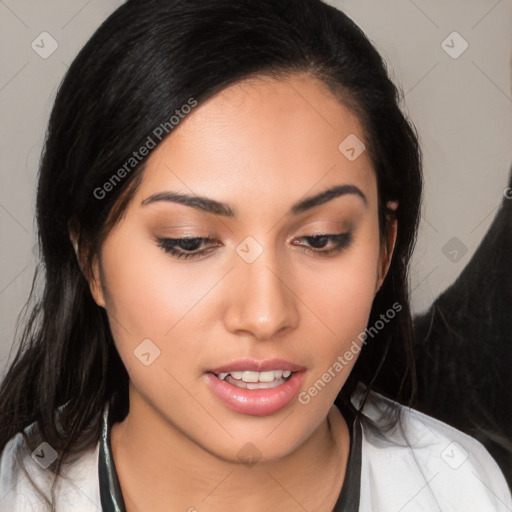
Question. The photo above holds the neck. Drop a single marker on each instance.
(176, 473)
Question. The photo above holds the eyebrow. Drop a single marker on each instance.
(212, 206)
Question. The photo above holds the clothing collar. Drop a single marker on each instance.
(348, 500)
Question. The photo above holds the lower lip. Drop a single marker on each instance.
(256, 402)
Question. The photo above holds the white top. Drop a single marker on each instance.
(420, 465)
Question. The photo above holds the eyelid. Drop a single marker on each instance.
(339, 223)
(322, 227)
(169, 246)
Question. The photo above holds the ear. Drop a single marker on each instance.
(96, 282)
(388, 244)
(93, 274)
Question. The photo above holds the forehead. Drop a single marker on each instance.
(263, 135)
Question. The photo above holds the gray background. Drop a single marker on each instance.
(461, 107)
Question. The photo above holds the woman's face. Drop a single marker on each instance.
(258, 294)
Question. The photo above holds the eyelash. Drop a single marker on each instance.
(341, 241)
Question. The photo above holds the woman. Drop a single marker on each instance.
(227, 203)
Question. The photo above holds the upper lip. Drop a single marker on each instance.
(256, 365)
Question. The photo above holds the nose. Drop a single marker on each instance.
(261, 299)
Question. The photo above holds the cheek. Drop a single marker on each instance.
(148, 297)
(345, 294)
(138, 294)
(344, 290)
(342, 297)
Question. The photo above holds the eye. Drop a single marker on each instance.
(325, 244)
(187, 247)
(194, 247)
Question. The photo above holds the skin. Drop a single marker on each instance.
(259, 146)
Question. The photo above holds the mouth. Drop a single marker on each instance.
(257, 388)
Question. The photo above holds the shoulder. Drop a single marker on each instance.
(77, 488)
(421, 463)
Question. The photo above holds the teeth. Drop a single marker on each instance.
(256, 377)
(250, 376)
(265, 376)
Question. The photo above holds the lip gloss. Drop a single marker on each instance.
(256, 402)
